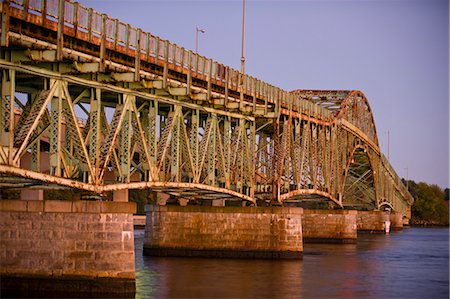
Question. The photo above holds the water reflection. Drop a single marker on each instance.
(412, 263)
(219, 278)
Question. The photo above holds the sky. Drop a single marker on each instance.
(395, 51)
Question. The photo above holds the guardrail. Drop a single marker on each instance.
(402, 188)
(109, 33)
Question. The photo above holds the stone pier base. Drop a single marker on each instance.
(396, 219)
(73, 247)
(373, 221)
(329, 226)
(229, 232)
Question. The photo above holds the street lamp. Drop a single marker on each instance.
(407, 178)
(198, 29)
(389, 154)
(243, 38)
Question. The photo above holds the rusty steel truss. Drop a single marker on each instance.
(91, 103)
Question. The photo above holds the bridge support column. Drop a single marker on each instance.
(396, 219)
(67, 248)
(228, 232)
(31, 194)
(121, 195)
(218, 203)
(329, 226)
(373, 221)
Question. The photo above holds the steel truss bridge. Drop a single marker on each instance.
(92, 103)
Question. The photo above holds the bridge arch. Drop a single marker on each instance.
(356, 109)
(386, 205)
(359, 183)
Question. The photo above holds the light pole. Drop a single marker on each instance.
(198, 29)
(407, 179)
(243, 38)
(389, 146)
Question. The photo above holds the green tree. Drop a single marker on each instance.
(429, 206)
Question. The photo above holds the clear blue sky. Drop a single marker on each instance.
(395, 51)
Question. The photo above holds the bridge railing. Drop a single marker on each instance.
(403, 190)
(94, 27)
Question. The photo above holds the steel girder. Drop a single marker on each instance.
(130, 141)
(160, 116)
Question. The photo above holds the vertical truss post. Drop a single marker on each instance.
(152, 129)
(193, 141)
(125, 151)
(334, 161)
(12, 90)
(314, 155)
(376, 173)
(285, 153)
(145, 123)
(95, 140)
(212, 151)
(3, 91)
(275, 163)
(175, 145)
(252, 159)
(227, 150)
(296, 167)
(7, 110)
(36, 156)
(56, 131)
(304, 155)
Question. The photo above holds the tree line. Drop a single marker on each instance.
(431, 203)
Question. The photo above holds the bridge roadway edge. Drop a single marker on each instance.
(67, 247)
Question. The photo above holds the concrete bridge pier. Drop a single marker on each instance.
(373, 222)
(32, 194)
(67, 247)
(397, 220)
(229, 232)
(329, 226)
(121, 195)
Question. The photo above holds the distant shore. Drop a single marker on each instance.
(422, 223)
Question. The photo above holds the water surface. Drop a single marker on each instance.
(413, 263)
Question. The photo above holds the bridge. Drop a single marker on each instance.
(91, 103)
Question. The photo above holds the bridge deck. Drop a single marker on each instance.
(114, 44)
(92, 50)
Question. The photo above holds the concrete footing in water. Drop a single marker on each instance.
(397, 221)
(329, 226)
(74, 246)
(87, 247)
(373, 222)
(237, 232)
(277, 232)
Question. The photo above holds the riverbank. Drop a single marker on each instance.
(423, 223)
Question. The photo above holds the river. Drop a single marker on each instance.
(413, 263)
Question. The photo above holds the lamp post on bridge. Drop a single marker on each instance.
(407, 178)
(389, 146)
(198, 29)
(243, 37)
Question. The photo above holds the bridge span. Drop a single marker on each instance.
(92, 103)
